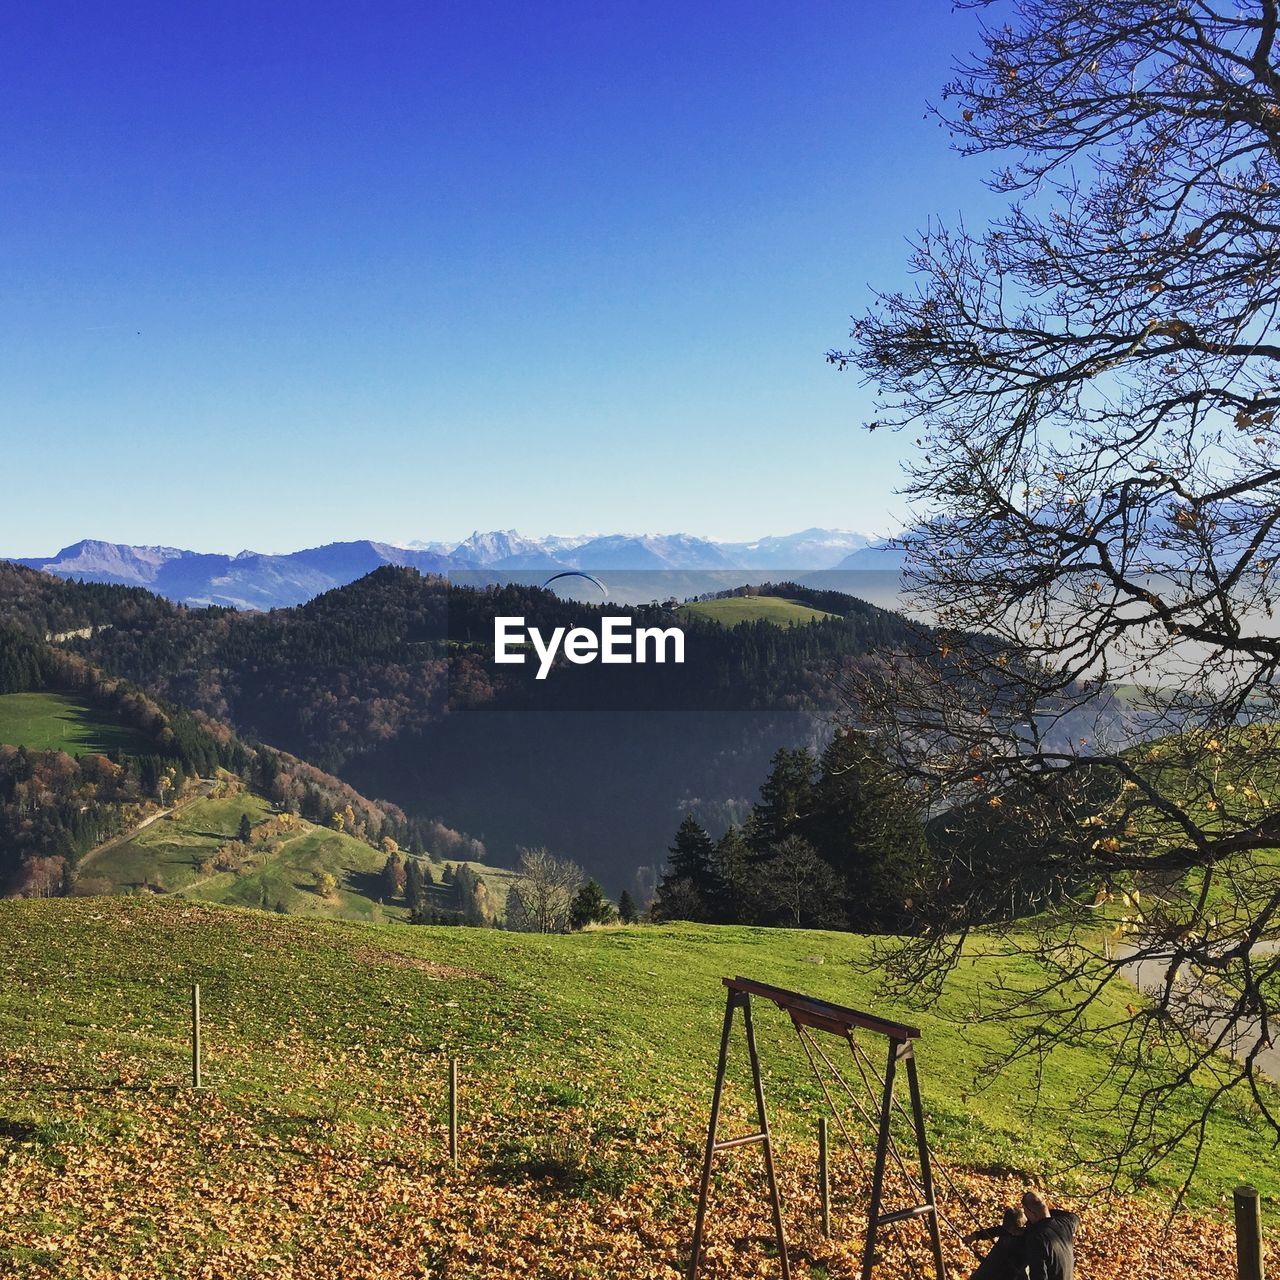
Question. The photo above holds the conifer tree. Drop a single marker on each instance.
(867, 827)
(690, 879)
(735, 882)
(394, 877)
(628, 912)
(590, 906)
(786, 799)
(415, 886)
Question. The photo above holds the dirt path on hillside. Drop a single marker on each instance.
(203, 790)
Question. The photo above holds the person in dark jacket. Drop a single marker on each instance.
(1049, 1239)
(1006, 1260)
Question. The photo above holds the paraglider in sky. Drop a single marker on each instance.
(576, 573)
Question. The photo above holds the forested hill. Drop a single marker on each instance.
(86, 755)
(41, 605)
(389, 682)
(395, 652)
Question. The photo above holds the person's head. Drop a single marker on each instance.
(1014, 1221)
(1035, 1206)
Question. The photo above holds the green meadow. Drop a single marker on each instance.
(586, 1063)
(635, 1009)
(735, 609)
(56, 722)
(168, 855)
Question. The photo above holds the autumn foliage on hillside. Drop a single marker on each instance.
(55, 808)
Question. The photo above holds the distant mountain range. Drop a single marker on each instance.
(256, 580)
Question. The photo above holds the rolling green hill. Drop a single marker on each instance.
(59, 722)
(734, 609)
(586, 1065)
(277, 871)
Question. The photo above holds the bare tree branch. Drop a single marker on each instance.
(1094, 382)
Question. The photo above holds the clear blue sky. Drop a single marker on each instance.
(275, 275)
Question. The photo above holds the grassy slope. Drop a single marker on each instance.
(337, 1031)
(55, 722)
(735, 609)
(165, 855)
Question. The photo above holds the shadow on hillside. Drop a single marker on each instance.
(366, 883)
(98, 734)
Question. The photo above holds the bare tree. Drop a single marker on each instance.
(798, 887)
(1093, 382)
(541, 899)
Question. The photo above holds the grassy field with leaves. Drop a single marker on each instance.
(320, 1147)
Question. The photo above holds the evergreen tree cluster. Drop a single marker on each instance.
(832, 842)
(21, 662)
(459, 896)
(44, 606)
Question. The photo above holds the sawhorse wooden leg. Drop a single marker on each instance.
(882, 1154)
(926, 1169)
(929, 1209)
(738, 999)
